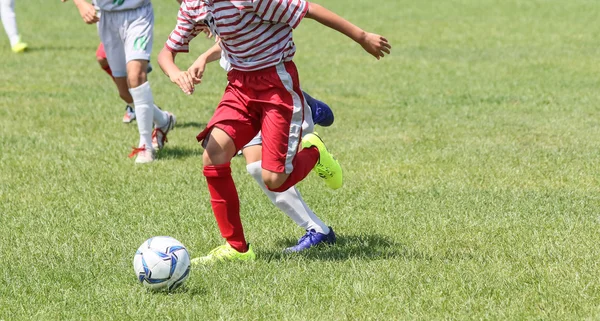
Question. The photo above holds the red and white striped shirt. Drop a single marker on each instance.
(255, 34)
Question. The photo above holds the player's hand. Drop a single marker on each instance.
(87, 12)
(208, 33)
(375, 44)
(196, 70)
(184, 80)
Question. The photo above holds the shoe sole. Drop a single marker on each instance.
(139, 160)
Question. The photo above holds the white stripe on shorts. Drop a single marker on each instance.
(297, 116)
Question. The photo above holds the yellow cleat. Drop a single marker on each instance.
(224, 253)
(327, 167)
(19, 47)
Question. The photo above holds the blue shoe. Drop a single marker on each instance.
(321, 113)
(310, 239)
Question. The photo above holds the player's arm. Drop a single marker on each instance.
(374, 44)
(166, 58)
(183, 79)
(212, 54)
(178, 41)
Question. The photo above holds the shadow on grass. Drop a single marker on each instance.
(364, 247)
(181, 152)
(184, 290)
(193, 124)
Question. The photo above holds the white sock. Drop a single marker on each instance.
(143, 101)
(290, 202)
(9, 21)
(160, 117)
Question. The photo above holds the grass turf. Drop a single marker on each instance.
(470, 160)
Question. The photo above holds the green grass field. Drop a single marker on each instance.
(471, 159)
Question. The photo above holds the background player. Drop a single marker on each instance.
(129, 115)
(126, 30)
(123, 89)
(9, 21)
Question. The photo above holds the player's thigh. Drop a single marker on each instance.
(139, 34)
(253, 150)
(308, 125)
(137, 72)
(282, 125)
(114, 49)
(219, 147)
(232, 119)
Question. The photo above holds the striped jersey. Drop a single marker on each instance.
(120, 5)
(255, 34)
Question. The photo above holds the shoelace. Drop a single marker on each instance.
(309, 235)
(137, 150)
(155, 135)
(164, 134)
(323, 171)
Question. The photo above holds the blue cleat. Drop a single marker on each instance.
(310, 239)
(321, 113)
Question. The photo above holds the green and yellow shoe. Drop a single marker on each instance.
(224, 253)
(327, 167)
(19, 47)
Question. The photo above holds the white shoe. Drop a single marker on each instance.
(159, 135)
(129, 115)
(143, 155)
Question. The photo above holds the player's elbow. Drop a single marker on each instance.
(313, 10)
(165, 57)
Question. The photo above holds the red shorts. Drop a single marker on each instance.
(268, 100)
(100, 53)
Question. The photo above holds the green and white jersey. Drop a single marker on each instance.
(120, 5)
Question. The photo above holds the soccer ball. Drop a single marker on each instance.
(161, 263)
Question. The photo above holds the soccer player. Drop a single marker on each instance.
(9, 21)
(289, 201)
(129, 115)
(263, 94)
(123, 89)
(126, 30)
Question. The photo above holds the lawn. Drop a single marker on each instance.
(470, 159)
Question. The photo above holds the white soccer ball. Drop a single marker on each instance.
(161, 263)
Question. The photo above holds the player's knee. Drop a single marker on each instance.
(137, 73)
(206, 159)
(273, 180)
(136, 80)
(254, 169)
(125, 96)
(281, 201)
(214, 156)
(102, 62)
